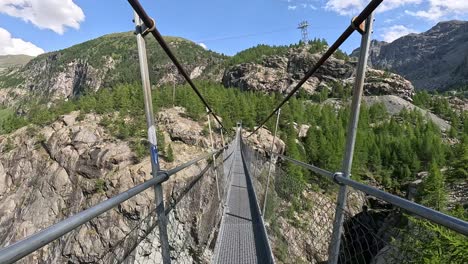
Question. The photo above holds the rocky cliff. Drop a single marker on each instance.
(281, 73)
(50, 173)
(434, 60)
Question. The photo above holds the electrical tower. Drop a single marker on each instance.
(303, 27)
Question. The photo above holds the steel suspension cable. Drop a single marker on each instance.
(344, 36)
(151, 28)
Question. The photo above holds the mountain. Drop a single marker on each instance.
(8, 61)
(108, 60)
(433, 60)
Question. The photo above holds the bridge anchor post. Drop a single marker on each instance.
(334, 250)
(158, 190)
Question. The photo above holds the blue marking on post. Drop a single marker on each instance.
(154, 154)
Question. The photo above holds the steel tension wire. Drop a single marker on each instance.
(150, 24)
(344, 36)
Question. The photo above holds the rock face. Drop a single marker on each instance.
(282, 73)
(71, 81)
(434, 60)
(384, 83)
(50, 173)
(262, 140)
(181, 128)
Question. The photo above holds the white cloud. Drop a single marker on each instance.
(203, 45)
(442, 8)
(55, 15)
(14, 46)
(392, 4)
(354, 7)
(394, 32)
(345, 7)
(292, 7)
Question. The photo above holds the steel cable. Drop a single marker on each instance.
(150, 24)
(344, 36)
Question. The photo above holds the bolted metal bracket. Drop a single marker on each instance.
(359, 28)
(338, 174)
(143, 29)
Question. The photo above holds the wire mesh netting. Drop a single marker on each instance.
(384, 233)
(192, 210)
(129, 233)
(374, 231)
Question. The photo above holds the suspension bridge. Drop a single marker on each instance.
(236, 169)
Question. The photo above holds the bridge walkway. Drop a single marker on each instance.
(242, 237)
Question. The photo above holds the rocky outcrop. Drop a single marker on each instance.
(434, 60)
(261, 141)
(385, 83)
(49, 173)
(282, 73)
(180, 128)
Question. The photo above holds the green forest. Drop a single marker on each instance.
(390, 150)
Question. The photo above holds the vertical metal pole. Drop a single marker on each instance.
(256, 154)
(158, 190)
(212, 149)
(350, 141)
(222, 139)
(173, 93)
(271, 162)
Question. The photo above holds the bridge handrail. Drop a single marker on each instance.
(24, 247)
(435, 216)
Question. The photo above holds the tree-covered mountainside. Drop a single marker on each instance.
(106, 61)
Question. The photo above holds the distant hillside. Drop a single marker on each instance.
(108, 60)
(8, 61)
(433, 60)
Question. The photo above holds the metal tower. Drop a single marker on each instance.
(303, 27)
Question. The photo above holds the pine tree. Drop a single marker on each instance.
(170, 154)
(433, 189)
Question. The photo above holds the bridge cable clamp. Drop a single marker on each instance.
(144, 30)
(359, 28)
(164, 174)
(338, 174)
(148, 30)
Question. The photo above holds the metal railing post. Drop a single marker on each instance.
(271, 162)
(222, 138)
(255, 164)
(214, 158)
(350, 141)
(158, 190)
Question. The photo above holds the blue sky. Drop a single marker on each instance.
(36, 26)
